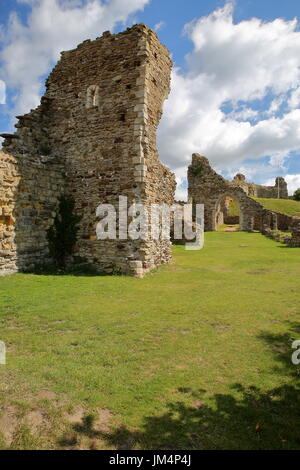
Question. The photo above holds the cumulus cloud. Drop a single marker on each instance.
(2, 92)
(294, 101)
(293, 182)
(240, 95)
(29, 50)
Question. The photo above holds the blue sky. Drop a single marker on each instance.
(235, 85)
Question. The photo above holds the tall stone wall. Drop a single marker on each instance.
(30, 185)
(8, 183)
(94, 138)
(279, 190)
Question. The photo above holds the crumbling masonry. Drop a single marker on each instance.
(206, 187)
(92, 137)
(279, 190)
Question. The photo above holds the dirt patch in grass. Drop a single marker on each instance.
(46, 395)
(258, 271)
(8, 423)
(86, 428)
(80, 428)
(221, 326)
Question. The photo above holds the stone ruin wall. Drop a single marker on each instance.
(93, 137)
(29, 189)
(280, 188)
(8, 182)
(206, 187)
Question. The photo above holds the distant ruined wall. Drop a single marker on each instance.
(94, 137)
(279, 190)
(206, 187)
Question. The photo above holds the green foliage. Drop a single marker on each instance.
(62, 235)
(297, 195)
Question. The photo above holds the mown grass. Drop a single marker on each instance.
(195, 356)
(285, 206)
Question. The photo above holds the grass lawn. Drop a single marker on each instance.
(285, 206)
(195, 356)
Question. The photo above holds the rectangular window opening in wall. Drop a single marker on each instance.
(92, 98)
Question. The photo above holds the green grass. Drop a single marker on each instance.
(195, 356)
(285, 206)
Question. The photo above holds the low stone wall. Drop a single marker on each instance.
(284, 221)
(295, 229)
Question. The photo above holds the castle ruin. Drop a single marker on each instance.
(207, 187)
(278, 191)
(93, 137)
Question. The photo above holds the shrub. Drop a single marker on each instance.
(62, 235)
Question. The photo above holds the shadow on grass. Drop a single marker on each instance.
(290, 247)
(256, 420)
(245, 418)
(86, 429)
(85, 270)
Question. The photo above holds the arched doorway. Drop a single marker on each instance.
(227, 214)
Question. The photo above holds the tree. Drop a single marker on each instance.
(62, 235)
(297, 195)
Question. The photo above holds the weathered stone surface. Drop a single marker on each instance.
(295, 229)
(92, 137)
(206, 187)
(279, 190)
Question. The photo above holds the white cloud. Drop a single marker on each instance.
(29, 50)
(159, 25)
(293, 182)
(294, 101)
(232, 65)
(2, 92)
